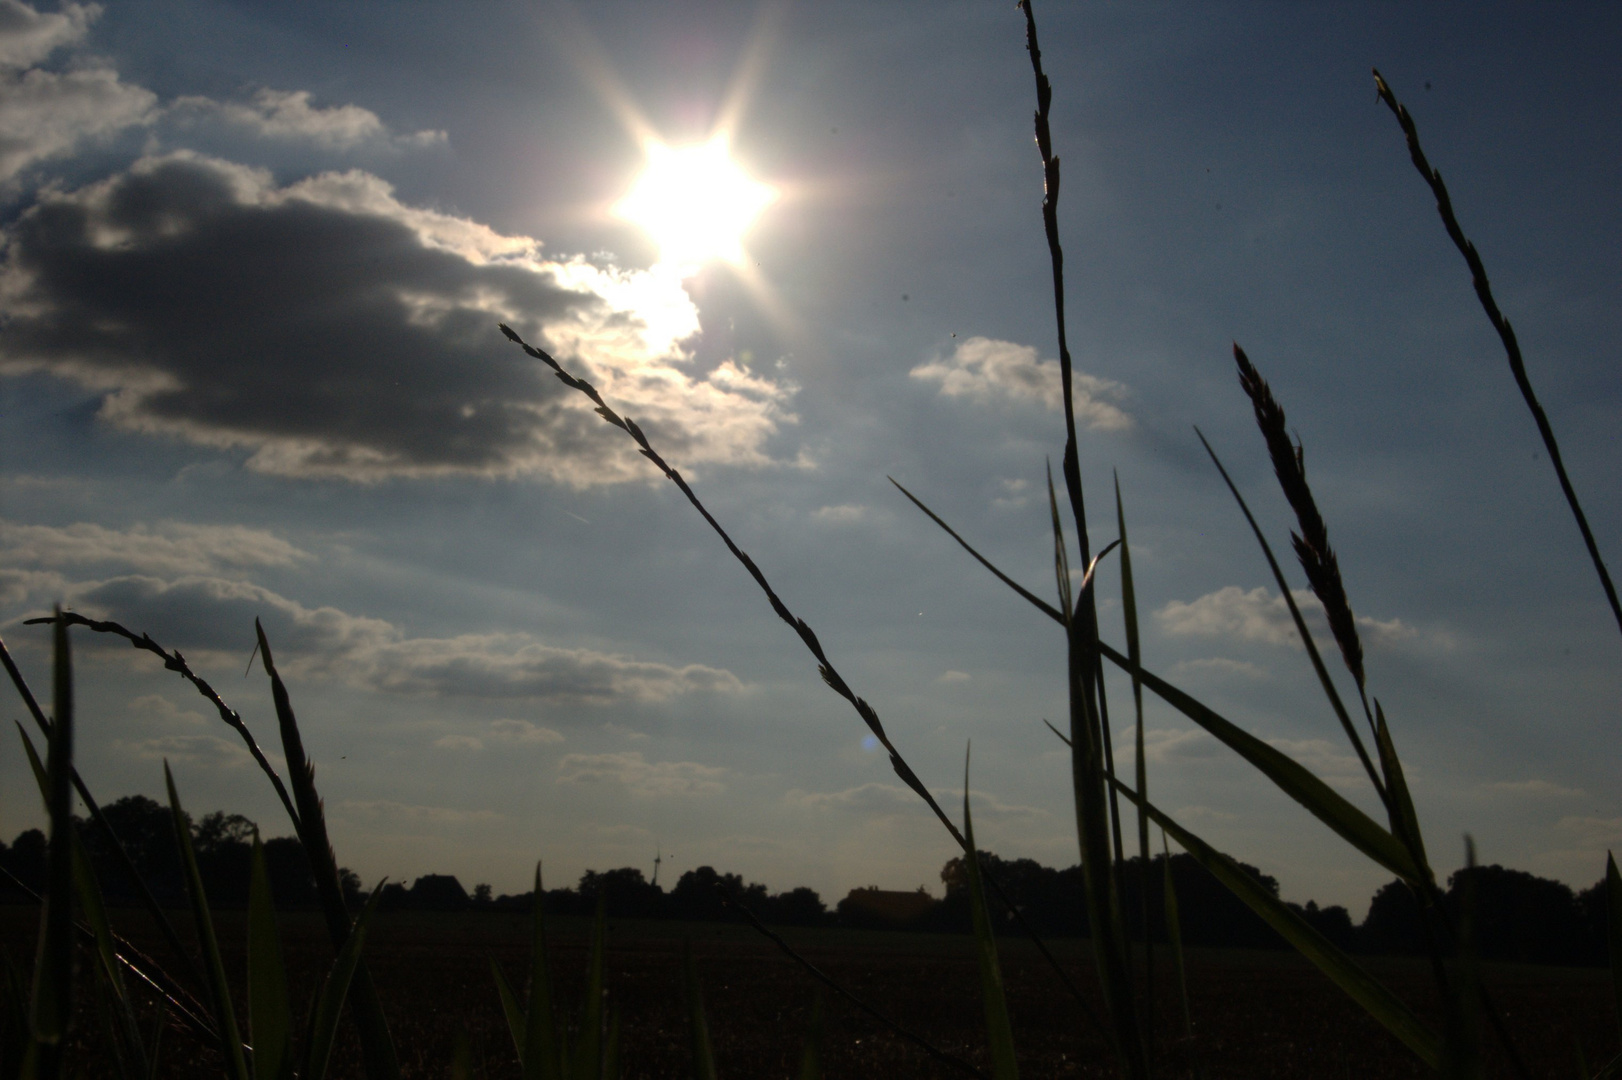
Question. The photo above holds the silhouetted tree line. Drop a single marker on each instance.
(224, 846)
(1518, 917)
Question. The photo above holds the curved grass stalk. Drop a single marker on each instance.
(1506, 333)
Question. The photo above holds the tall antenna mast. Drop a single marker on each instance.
(658, 857)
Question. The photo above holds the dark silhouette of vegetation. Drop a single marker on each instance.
(1519, 917)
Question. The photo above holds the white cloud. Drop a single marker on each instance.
(1260, 615)
(1537, 789)
(28, 36)
(1219, 665)
(875, 799)
(952, 676)
(1336, 766)
(843, 514)
(641, 777)
(166, 548)
(985, 369)
(207, 751)
(47, 114)
(523, 733)
(402, 815)
(287, 114)
(459, 742)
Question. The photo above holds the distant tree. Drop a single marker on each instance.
(25, 859)
(1392, 926)
(697, 895)
(482, 894)
(1521, 917)
(627, 893)
(797, 907)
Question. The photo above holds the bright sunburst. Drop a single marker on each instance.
(695, 202)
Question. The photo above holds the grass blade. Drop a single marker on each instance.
(588, 1050)
(611, 1047)
(1307, 642)
(1404, 819)
(462, 1057)
(270, 1016)
(510, 1009)
(1296, 781)
(1134, 651)
(999, 1032)
(126, 1029)
(377, 1046)
(225, 1020)
(543, 1046)
(1506, 333)
(811, 1046)
(329, 1002)
(1345, 972)
(1613, 926)
(51, 1005)
(1174, 937)
(698, 1027)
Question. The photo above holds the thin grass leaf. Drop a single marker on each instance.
(1462, 1048)
(1061, 556)
(126, 1029)
(377, 1045)
(1307, 641)
(510, 1009)
(1359, 985)
(1041, 605)
(611, 1046)
(999, 1032)
(225, 1019)
(329, 1001)
(131, 874)
(1292, 778)
(698, 1026)
(543, 1050)
(811, 1044)
(1506, 333)
(462, 1057)
(270, 1015)
(1134, 651)
(588, 1050)
(1613, 927)
(911, 1036)
(51, 1005)
(1174, 937)
(1404, 819)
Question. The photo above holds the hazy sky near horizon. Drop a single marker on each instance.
(253, 261)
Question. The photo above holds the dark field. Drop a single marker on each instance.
(1256, 1014)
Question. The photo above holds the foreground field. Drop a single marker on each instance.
(1257, 1014)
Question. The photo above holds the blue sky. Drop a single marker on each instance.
(254, 258)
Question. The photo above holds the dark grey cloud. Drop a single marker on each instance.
(334, 331)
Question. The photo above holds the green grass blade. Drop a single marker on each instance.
(588, 1051)
(1061, 557)
(329, 1002)
(1359, 985)
(1404, 820)
(510, 1009)
(270, 1016)
(51, 1004)
(1174, 937)
(126, 1029)
(462, 1057)
(543, 1048)
(1296, 781)
(225, 1019)
(377, 1045)
(999, 1031)
(1307, 642)
(1613, 926)
(698, 1027)
(1134, 651)
(811, 1046)
(611, 1048)
(1040, 604)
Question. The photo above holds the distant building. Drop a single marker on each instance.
(874, 906)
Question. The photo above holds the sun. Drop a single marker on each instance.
(695, 202)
